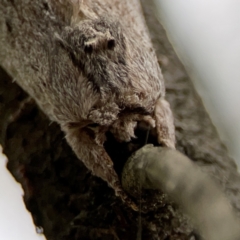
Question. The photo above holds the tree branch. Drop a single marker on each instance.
(184, 182)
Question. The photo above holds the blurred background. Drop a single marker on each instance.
(15, 221)
(206, 37)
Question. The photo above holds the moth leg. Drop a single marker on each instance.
(164, 123)
(22, 105)
(95, 158)
(13, 116)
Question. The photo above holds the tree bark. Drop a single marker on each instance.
(153, 167)
(70, 203)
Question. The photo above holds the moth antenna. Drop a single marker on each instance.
(101, 41)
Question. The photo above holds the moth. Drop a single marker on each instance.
(96, 73)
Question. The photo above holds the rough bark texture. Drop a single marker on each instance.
(68, 202)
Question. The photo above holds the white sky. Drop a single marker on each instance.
(206, 34)
(15, 221)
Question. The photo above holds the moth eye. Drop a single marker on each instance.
(88, 49)
(111, 44)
